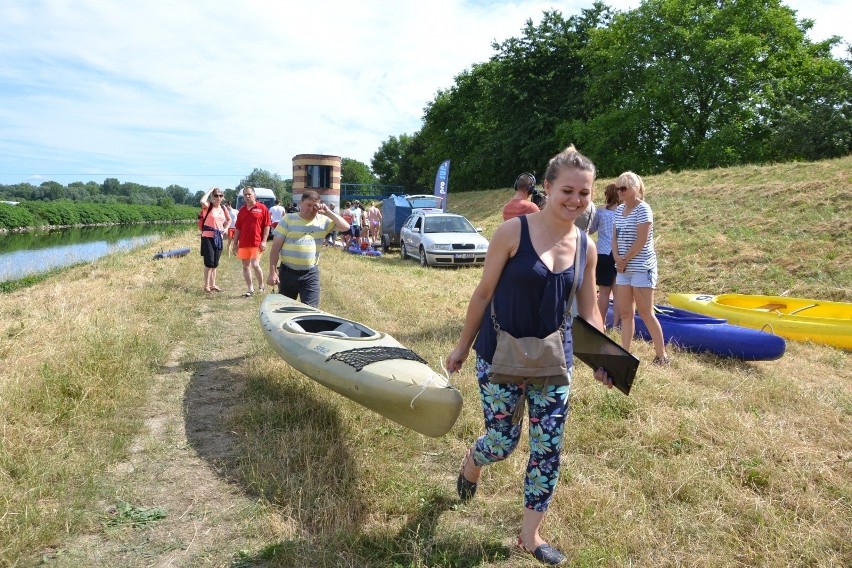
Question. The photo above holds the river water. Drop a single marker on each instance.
(27, 254)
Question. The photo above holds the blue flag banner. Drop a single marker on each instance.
(442, 183)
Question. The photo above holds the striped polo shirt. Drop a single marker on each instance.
(302, 239)
(625, 232)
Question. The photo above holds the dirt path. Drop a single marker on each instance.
(179, 464)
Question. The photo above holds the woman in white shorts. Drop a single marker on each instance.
(636, 263)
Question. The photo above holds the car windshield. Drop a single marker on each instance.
(447, 225)
(421, 202)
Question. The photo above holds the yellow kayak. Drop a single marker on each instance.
(799, 319)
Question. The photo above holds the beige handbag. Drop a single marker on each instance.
(523, 360)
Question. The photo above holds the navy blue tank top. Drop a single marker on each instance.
(530, 299)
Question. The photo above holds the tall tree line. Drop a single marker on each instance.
(114, 191)
(110, 191)
(670, 85)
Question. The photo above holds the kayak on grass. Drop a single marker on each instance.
(176, 253)
(364, 365)
(799, 319)
(369, 251)
(699, 333)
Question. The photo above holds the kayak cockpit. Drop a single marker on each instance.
(329, 326)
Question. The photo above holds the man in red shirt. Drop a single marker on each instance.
(250, 234)
(520, 204)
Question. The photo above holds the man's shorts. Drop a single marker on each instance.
(356, 231)
(248, 253)
(644, 279)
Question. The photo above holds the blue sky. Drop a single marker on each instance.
(201, 93)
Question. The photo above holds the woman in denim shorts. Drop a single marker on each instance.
(636, 263)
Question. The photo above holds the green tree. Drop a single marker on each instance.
(501, 116)
(810, 114)
(457, 126)
(539, 83)
(111, 186)
(353, 171)
(676, 84)
(394, 163)
(179, 195)
(53, 190)
(263, 178)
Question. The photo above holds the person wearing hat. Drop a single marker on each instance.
(520, 204)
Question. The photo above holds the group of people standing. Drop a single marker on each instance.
(365, 224)
(297, 238)
(627, 261)
(245, 230)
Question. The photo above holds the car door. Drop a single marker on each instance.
(405, 233)
(416, 234)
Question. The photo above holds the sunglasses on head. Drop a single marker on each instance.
(622, 188)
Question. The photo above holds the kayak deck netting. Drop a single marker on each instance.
(363, 356)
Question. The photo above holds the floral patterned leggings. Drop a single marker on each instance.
(548, 410)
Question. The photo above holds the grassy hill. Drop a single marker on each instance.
(784, 229)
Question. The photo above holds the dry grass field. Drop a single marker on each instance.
(144, 424)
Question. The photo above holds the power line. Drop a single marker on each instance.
(130, 174)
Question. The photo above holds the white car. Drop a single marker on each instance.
(442, 239)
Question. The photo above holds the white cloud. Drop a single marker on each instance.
(215, 89)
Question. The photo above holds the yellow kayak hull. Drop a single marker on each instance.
(799, 319)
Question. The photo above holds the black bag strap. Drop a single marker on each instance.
(568, 301)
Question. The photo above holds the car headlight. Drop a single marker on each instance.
(483, 246)
(437, 246)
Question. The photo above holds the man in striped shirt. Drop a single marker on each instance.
(297, 241)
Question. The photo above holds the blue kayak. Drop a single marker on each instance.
(176, 253)
(369, 251)
(704, 334)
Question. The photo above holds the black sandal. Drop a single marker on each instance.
(545, 553)
(466, 489)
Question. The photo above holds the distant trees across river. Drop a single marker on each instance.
(63, 213)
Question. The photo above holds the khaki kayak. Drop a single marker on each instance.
(366, 366)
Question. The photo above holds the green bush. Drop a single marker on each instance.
(15, 217)
(92, 214)
(128, 213)
(63, 213)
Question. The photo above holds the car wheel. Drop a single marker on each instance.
(423, 260)
(402, 253)
(385, 243)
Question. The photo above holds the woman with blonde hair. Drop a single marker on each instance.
(636, 263)
(215, 221)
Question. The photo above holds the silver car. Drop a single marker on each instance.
(442, 239)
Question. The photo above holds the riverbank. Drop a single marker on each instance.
(42, 215)
(99, 359)
(147, 423)
(49, 228)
